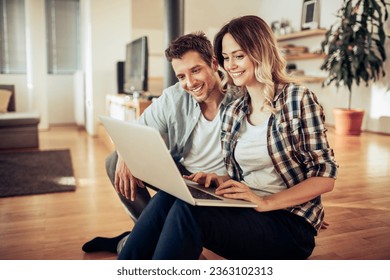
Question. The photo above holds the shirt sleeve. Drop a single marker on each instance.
(317, 155)
(155, 114)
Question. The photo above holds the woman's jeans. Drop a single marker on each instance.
(169, 228)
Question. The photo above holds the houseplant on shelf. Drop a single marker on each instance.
(354, 50)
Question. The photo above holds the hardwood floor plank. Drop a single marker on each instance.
(358, 209)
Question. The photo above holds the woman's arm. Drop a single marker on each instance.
(298, 194)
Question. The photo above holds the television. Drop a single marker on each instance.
(136, 67)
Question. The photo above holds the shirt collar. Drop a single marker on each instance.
(245, 103)
(279, 91)
(246, 98)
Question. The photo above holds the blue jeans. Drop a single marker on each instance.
(169, 228)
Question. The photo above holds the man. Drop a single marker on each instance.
(187, 115)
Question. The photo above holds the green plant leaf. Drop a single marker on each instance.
(354, 45)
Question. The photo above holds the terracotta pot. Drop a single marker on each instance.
(348, 121)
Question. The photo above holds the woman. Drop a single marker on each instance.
(276, 154)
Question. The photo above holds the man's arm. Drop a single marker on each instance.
(124, 182)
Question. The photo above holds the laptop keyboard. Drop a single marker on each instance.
(202, 195)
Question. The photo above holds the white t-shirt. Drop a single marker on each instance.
(205, 154)
(252, 155)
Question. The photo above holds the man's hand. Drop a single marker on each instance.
(207, 179)
(125, 182)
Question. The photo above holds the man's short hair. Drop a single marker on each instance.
(196, 41)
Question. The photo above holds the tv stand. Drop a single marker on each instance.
(125, 106)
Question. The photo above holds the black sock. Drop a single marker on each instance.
(104, 243)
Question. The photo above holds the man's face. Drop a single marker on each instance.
(196, 76)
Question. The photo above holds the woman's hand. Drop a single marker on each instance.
(207, 179)
(237, 190)
(324, 225)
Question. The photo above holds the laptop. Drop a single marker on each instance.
(146, 155)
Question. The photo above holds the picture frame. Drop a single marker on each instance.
(310, 14)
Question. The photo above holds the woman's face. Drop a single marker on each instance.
(237, 63)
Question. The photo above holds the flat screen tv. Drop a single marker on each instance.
(136, 66)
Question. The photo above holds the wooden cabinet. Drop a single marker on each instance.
(122, 107)
(304, 56)
(125, 107)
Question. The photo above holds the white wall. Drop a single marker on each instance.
(60, 99)
(106, 30)
(209, 16)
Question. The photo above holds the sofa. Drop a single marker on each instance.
(17, 129)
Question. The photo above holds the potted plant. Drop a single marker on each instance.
(354, 50)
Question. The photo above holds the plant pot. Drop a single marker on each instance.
(348, 121)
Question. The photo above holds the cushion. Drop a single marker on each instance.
(12, 119)
(5, 96)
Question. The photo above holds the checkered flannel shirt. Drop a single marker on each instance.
(297, 143)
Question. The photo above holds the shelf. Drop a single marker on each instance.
(301, 34)
(303, 56)
(309, 79)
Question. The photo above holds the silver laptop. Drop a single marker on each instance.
(146, 155)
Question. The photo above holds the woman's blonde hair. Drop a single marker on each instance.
(256, 39)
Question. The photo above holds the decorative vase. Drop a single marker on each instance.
(348, 121)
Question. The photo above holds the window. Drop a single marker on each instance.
(63, 36)
(12, 37)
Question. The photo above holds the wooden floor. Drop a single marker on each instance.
(55, 226)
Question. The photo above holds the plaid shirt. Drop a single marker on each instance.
(297, 143)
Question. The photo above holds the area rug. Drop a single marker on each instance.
(36, 172)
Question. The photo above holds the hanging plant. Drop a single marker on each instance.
(355, 45)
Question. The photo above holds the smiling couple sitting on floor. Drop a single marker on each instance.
(235, 120)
